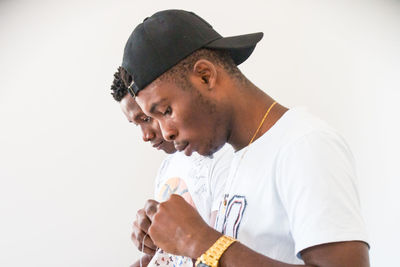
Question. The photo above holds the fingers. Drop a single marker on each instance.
(142, 221)
(151, 208)
(142, 241)
(140, 228)
(145, 261)
(148, 251)
(144, 244)
(141, 237)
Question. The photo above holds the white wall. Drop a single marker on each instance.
(73, 172)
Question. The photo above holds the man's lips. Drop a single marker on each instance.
(181, 147)
(158, 145)
(186, 147)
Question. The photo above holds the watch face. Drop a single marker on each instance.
(202, 265)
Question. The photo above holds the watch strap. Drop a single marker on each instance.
(211, 257)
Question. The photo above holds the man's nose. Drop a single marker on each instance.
(169, 134)
(148, 136)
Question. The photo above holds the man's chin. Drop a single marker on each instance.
(211, 151)
(170, 151)
(206, 153)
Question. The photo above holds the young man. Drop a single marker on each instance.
(199, 180)
(290, 197)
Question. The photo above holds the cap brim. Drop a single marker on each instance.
(240, 46)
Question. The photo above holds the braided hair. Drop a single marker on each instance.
(118, 87)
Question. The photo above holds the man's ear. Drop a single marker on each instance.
(206, 72)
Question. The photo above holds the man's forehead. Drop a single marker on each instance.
(131, 107)
(151, 97)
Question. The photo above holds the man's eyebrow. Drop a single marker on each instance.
(154, 105)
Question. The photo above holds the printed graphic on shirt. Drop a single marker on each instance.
(232, 215)
(177, 186)
(199, 173)
(162, 259)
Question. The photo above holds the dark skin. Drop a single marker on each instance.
(193, 137)
(237, 111)
(151, 133)
(150, 127)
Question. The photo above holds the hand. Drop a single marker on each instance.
(145, 261)
(177, 228)
(140, 229)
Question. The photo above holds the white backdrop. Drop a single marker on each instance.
(73, 172)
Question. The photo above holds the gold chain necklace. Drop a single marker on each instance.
(226, 196)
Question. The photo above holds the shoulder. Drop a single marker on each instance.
(314, 155)
(299, 123)
(299, 128)
(310, 146)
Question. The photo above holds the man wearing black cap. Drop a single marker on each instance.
(200, 180)
(290, 197)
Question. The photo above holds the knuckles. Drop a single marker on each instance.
(141, 213)
(140, 236)
(175, 198)
(135, 241)
(143, 224)
(162, 206)
(157, 218)
(150, 206)
(136, 227)
(150, 203)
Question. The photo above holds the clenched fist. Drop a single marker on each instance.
(141, 226)
(177, 228)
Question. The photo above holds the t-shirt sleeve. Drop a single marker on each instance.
(316, 181)
(218, 175)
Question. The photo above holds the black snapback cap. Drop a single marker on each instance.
(164, 39)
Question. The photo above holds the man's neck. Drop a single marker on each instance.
(249, 108)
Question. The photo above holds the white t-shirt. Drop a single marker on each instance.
(200, 180)
(202, 177)
(293, 188)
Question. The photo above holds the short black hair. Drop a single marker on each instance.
(118, 87)
(178, 73)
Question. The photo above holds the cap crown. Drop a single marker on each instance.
(161, 41)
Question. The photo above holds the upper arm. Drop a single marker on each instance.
(351, 253)
(316, 184)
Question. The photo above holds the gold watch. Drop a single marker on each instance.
(211, 257)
